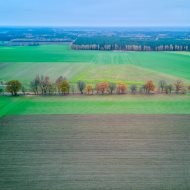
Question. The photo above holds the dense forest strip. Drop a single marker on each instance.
(130, 44)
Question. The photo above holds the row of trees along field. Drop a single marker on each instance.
(42, 85)
(130, 44)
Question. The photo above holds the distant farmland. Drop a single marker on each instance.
(23, 63)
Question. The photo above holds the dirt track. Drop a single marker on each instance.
(100, 152)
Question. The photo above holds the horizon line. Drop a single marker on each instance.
(98, 26)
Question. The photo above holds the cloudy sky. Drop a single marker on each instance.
(95, 12)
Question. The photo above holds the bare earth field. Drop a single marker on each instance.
(84, 152)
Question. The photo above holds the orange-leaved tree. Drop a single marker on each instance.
(121, 88)
(149, 86)
(89, 89)
(102, 87)
(65, 87)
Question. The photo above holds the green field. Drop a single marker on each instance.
(116, 104)
(24, 63)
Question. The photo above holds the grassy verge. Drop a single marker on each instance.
(117, 104)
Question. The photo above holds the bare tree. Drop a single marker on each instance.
(144, 89)
(72, 87)
(35, 84)
(23, 90)
(162, 85)
(45, 84)
(178, 86)
(51, 89)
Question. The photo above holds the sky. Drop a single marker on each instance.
(95, 13)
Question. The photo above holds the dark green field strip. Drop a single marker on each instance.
(84, 152)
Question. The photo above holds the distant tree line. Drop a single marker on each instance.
(42, 85)
(130, 44)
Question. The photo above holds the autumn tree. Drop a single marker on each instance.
(112, 87)
(121, 88)
(58, 82)
(81, 86)
(133, 88)
(13, 87)
(178, 86)
(149, 86)
(162, 85)
(89, 89)
(102, 87)
(64, 87)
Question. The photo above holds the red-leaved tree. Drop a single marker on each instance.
(121, 88)
(102, 87)
(149, 86)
